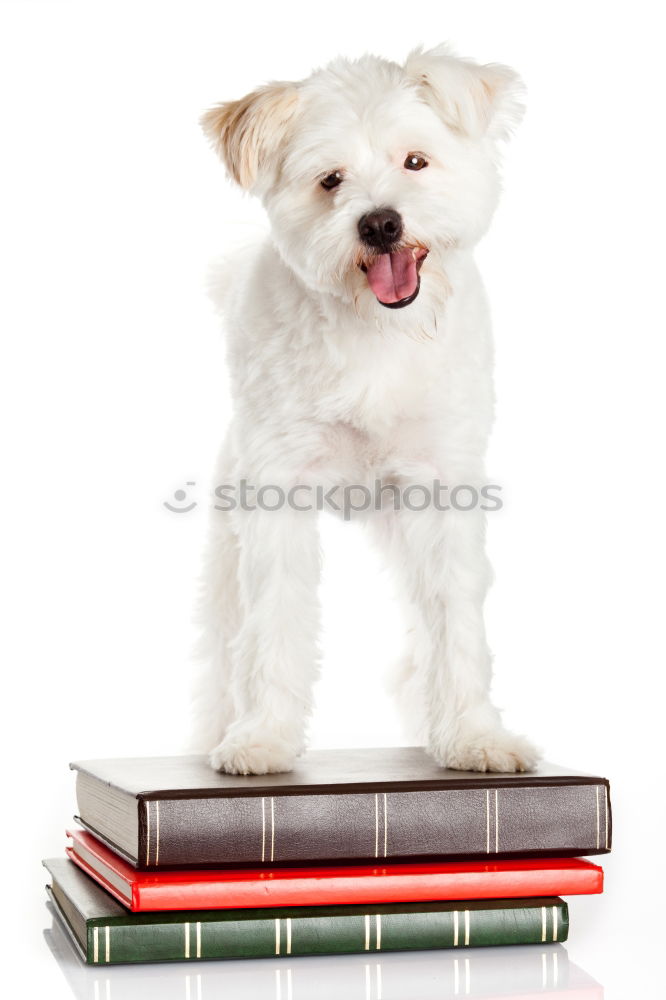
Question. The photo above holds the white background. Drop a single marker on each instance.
(114, 395)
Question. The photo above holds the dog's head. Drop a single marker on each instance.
(371, 171)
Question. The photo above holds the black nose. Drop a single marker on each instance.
(380, 229)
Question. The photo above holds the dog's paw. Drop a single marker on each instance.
(494, 750)
(253, 751)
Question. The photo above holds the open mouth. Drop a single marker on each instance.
(394, 277)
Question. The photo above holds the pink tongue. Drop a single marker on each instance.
(392, 276)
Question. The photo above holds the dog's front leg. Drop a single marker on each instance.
(443, 555)
(274, 655)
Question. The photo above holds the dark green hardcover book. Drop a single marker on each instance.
(106, 933)
(524, 972)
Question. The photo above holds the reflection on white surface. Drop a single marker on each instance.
(519, 972)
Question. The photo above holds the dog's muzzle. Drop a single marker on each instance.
(392, 268)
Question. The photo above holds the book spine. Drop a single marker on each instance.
(471, 822)
(366, 889)
(117, 942)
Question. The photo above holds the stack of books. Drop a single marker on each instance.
(354, 851)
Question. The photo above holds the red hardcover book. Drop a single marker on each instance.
(318, 886)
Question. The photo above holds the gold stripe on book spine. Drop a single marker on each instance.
(157, 832)
(606, 811)
(263, 829)
(496, 822)
(596, 795)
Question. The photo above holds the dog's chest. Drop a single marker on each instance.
(375, 390)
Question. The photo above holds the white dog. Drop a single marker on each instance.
(360, 352)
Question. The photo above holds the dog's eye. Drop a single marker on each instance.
(415, 161)
(332, 180)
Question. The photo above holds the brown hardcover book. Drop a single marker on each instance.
(335, 806)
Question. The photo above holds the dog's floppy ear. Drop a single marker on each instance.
(472, 100)
(248, 134)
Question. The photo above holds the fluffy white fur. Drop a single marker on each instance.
(332, 387)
